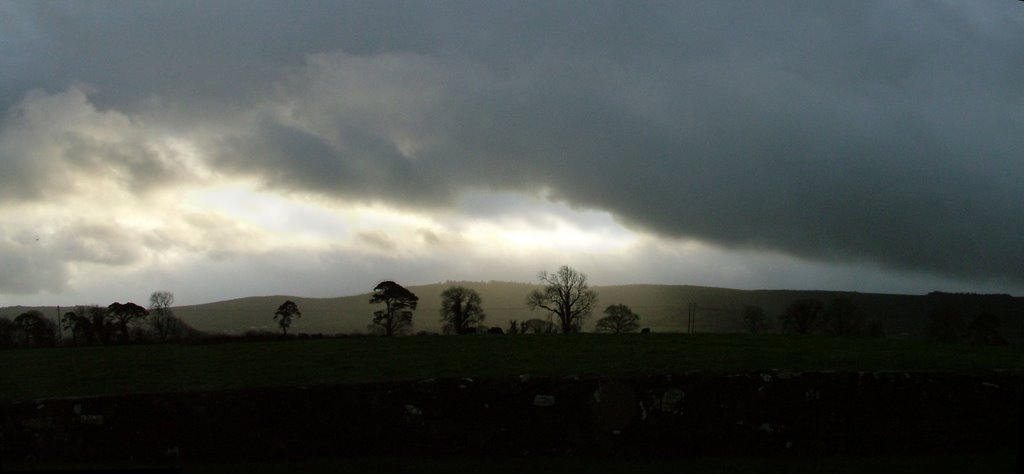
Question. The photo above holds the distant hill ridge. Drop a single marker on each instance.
(663, 308)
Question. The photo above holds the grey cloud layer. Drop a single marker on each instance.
(54, 145)
(869, 131)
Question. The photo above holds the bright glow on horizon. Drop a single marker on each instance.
(286, 221)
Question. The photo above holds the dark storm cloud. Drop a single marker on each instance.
(879, 132)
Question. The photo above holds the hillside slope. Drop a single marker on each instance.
(663, 308)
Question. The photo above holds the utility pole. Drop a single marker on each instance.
(691, 316)
(60, 329)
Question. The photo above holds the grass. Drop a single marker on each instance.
(82, 371)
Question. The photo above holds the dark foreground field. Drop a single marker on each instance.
(637, 403)
(80, 371)
(999, 462)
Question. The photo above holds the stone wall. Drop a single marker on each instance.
(698, 414)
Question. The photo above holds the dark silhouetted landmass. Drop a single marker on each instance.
(662, 307)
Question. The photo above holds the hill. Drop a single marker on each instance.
(663, 308)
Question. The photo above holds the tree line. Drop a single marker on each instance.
(566, 300)
(841, 317)
(117, 323)
(566, 297)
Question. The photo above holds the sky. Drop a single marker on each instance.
(227, 149)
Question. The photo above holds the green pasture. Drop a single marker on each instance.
(80, 371)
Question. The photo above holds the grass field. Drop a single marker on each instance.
(79, 371)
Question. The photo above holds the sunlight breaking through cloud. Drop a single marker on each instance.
(661, 148)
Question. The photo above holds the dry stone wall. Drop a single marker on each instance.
(773, 413)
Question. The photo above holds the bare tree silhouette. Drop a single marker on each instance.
(461, 310)
(566, 295)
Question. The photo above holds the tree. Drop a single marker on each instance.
(802, 316)
(100, 326)
(565, 295)
(842, 318)
(399, 303)
(537, 326)
(178, 329)
(619, 318)
(87, 324)
(35, 329)
(285, 313)
(461, 310)
(946, 323)
(984, 329)
(77, 321)
(7, 331)
(162, 317)
(123, 314)
(754, 319)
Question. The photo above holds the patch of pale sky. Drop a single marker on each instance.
(528, 225)
(241, 219)
(189, 156)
